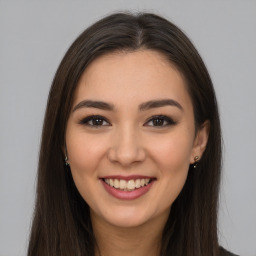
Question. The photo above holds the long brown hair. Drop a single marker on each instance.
(61, 224)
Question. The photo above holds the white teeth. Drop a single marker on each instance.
(116, 183)
(123, 184)
(131, 185)
(137, 183)
(127, 185)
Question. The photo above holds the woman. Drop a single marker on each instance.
(131, 146)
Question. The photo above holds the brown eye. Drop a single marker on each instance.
(95, 121)
(160, 121)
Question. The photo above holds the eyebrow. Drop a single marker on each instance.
(142, 107)
(94, 104)
(159, 103)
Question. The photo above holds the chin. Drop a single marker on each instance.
(125, 218)
(125, 222)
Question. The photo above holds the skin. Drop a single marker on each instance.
(127, 142)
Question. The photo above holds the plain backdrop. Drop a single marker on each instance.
(34, 36)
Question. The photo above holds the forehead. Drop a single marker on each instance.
(131, 76)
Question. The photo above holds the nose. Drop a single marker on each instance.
(126, 148)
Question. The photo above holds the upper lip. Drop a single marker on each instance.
(130, 177)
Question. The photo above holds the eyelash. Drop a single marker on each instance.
(85, 121)
(164, 121)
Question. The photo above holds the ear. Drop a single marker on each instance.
(65, 154)
(200, 141)
(64, 150)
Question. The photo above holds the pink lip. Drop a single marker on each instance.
(127, 195)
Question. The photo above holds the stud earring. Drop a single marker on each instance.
(66, 160)
(196, 159)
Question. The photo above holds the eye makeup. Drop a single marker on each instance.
(94, 121)
(160, 121)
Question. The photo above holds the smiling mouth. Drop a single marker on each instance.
(127, 185)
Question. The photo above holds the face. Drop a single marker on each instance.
(130, 137)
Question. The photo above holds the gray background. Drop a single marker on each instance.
(34, 35)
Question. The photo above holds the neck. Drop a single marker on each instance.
(143, 240)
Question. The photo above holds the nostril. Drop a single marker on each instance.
(126, 155)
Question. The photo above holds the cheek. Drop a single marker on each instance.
(173, 152)
(84, 153)
(172, 158)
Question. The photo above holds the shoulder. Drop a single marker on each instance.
(224, 252)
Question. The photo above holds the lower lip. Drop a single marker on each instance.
(127, 195)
